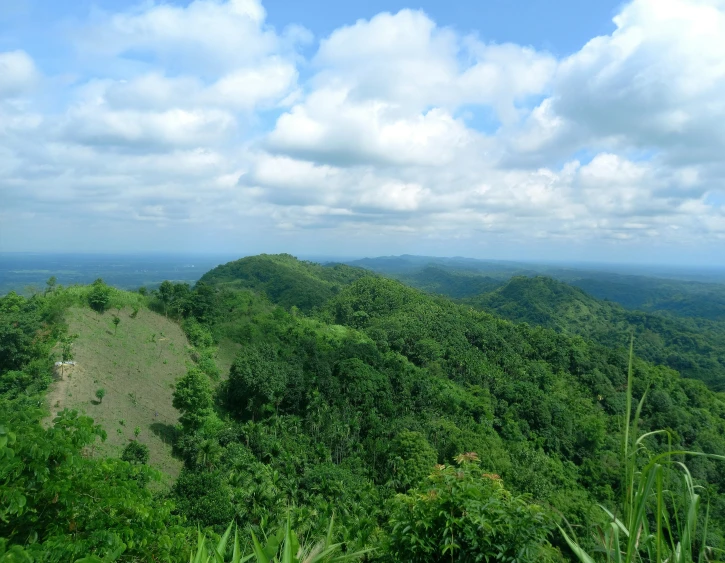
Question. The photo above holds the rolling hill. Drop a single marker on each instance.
(680, 292)
(695, 348)
(284, 279)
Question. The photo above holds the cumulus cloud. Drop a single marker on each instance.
(17, 73)
(203, 115)
(208, 35)
(657, 82)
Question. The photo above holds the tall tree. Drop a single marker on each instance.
(193, 398)
(166, 294)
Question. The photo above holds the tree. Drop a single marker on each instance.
(99, 296)
(193, 398)
(100, 393)
(208, 453)
(136, 452)
(51, 284)
(166, 294)
(19, 323)
(116, 322)
(66, 351)
(412, 460)
(71, 504)
(257, 382)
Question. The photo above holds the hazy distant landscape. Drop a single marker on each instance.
(23, 272)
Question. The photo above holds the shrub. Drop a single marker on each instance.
(462, 514)
(136, 452)
(100, 296)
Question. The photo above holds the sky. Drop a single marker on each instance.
(506, 129)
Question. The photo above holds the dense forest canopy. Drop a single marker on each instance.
(694, 347)
(664, 291)
(422, 428)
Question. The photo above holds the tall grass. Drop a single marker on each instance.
(661, 506)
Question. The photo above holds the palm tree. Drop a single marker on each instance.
(208, 454)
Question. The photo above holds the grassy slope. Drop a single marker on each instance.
(137, 373)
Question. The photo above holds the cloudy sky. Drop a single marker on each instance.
(521, 129)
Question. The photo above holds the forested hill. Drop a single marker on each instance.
(695, 348)
(677, 297)
(431, 430)
(284, 279)
(663, 291)
(435, 279)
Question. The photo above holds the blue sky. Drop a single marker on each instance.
(513, 129)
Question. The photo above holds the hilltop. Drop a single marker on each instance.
(695, 348)
(285, 280)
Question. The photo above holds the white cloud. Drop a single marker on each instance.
(205, 116)
(328, 127)
(406, 59)
(17, 73)
(658, 82)
(143, 130)
(207, 34)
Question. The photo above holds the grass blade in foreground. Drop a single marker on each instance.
(629, 539)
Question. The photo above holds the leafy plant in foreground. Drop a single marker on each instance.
(660, 510)
(463, 514)
(280, 547)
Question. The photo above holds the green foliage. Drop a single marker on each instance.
(193, 398)
(204, 497)
(58, 504)
(50, 284)
(453, 283)
(136, 452)
(282, 546)
(463, 514)
(257, 382)
(412, 459)
(696, 348)
(99, 297)
(100, 393)
(660, 509)
(20, 319)
(285, 280)
(332, 408)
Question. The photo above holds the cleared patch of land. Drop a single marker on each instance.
(136, 364)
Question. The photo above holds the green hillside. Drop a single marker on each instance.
(410, 418)
(695, 348)
(137, 365)
(681, 298)
(344, 385)
(455, 284)
(284, 279)
(664, 290)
